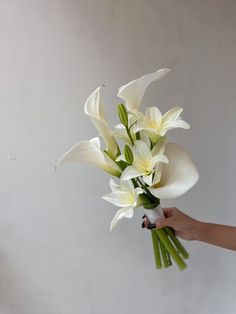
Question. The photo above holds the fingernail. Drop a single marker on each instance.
(151, 226)
(143, 216)
(143, 225)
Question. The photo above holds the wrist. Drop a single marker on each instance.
(199, 230)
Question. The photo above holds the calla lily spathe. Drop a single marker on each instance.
(133, 92)
(144, 163)
(90, 152)
(177, 177)
(123, 195)
(157, 125)
(94, 109)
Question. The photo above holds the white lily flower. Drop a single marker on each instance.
(89, 152)
(144, 162)
(178, 177)
(123, 195)
(157, 125)
(133, 92)
(94, 109)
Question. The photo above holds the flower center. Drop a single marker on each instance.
(143, 166)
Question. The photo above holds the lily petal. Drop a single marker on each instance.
(178, 176)
(177, 124)
(131, 172)
(127, 185)
(153, 115)
(157, 174)
(119, 198)
(121, 157)
(159, 158)
(133, 92)
(114, 186)
(141, 151)
(139, 127)
(120, 132)
(139, 191)
(121, 213)
(148, 179)
(172, 114)
(159, 148)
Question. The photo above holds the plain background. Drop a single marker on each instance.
(57, 255)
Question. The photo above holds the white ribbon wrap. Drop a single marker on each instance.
(154, 214)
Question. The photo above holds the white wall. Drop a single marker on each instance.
(57, 255)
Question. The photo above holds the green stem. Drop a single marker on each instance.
(144, 186)
(177, 243)
(168, 257)
(171, 249)
(156, 248)
(129, 135)
(140, 182)
(163, 254)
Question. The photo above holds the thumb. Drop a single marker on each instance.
(165, 222)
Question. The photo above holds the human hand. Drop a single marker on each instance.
(184, 226)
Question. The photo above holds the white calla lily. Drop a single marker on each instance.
(94, 109)
(144, 163)
(177, 177)
(89, 152)
(133, 92)
(123, 195)
(157, 125)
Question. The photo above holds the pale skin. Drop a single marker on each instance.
(188, 228)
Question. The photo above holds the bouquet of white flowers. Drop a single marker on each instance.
(147, 167)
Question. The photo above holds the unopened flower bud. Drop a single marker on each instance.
(128, 154)
(123, 115)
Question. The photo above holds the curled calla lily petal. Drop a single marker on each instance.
(89, 152)
(177, 177)
(94, 109)
(133, 92)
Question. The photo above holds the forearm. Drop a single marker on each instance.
(188, 228)
(219, 235)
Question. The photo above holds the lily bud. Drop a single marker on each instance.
(123, 115)
(128, 155)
